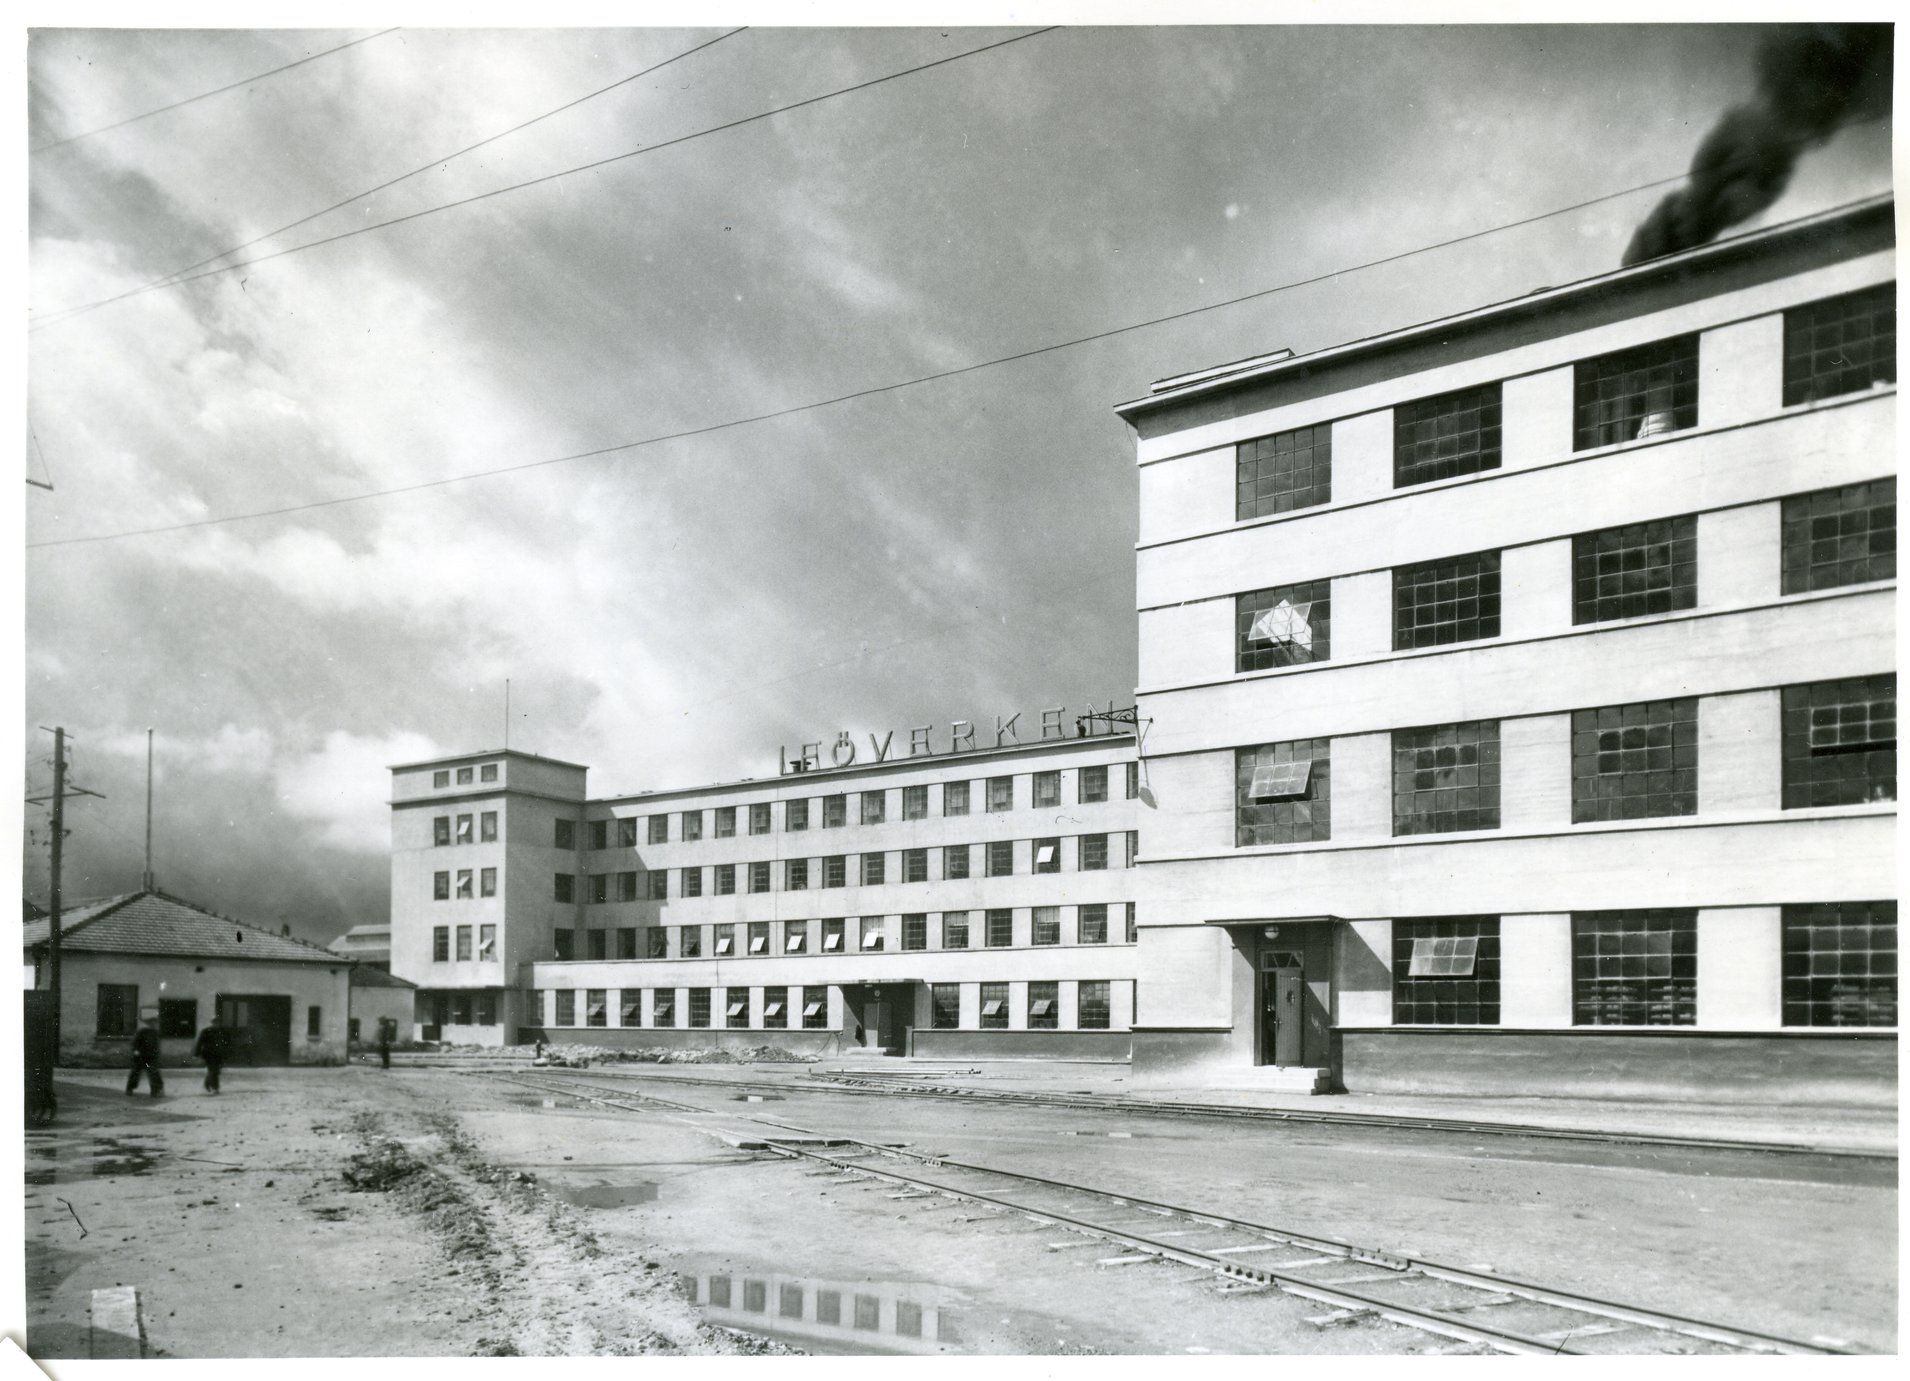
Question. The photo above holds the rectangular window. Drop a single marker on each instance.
(954, 930)
(597, 1007)
(1133, 780)
(873, 869)
(795, 937)
(441, 887)
(1282, 472)
(1840, 345)
(461, 1006)
(117, 1007)
(1635, 968)
(1453, 434)
(1044, 925)
(955, 798)
(796, 875)
(690, 882)
(1095, 1010)
(915, 802)
(1094, 853)
(832, 936)
(815, 1009)
(725, 940)
(835, 870)
(759, 937)
(1840, 742)
(488, 772)
(776, 1016)
(658, 886)
(1001, 928)
(658, 827)
(1047, 855)
(487, 827)
(464, 944)
(945, 1006)
(795, 815)
(759, 818)
(487, 882)
(657, 942)
(1091, 924)
(835, 812)
(1044, 1006)
(759, 876)
(464, 829)
(955, 862)
(630, 1007)
(626, 942)
(563, 887)
(464, 884)
(1446, 778)
(1451, 601)
(564, 834)
(487, 944)
(1446, 971)
(440, 944)
(725, 879)
(1630, 762)
(725, 822)
(692, 826)
(627, 885)
(487, 1009)
(1047, 789)
(566, 1007)
(1840, 964)
(1641, 568)
(598, 888)
(464, 776)
(994, 1009)
(663, 1007)
(1133, 847)
(1094, 785)
(736, 1012)
(627, 832)
(560, 944)
(1283, 793)
(873, 806)
(689, 942)
(1840, 537)
(599, 832)
(440, 779)
(1645, 391)
(1000, 858)
(915, 930)
(1133, 926)
(699, 1006)
(915, 865)
(1001, 793)
(873, 936)
(1281, 626)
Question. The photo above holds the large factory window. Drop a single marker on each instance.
(1840, 964)
(1281, 626)
(1455, 600)
(1840, 742)
(835, 870)
(955, 798)
(945, 1006)
(795, 815)
(1840, 345)
(726, 822)
(915, 930)
(725, 879)
(955, 862)
(915, 802)
(1634, 761)
(994, 1009)
(1641, 568)
(1446, 778)
(690, 882)
(627, 832)
(1093, 1008)
(1001, 927)
(874, 869)
(815, 1009)
(597, 1007)
(1047, 855)
(1001, 793)
(776, 1007)
(689, 942)
(1283, 793)
(874, 935)
(1047, 787)
(1840, 537)
(663, 1007)
(1044, 1006)
(692, 825)
(915, 865)
(759, 876)
(874, 807)
(1446, 971)
(566, 1007)
(954, 930)
(1635, 968)
(1092, 855)
(835, 812)
(1093, 785)
(1091, 924)
(759, 818)
(1282, 472)
(441, 831)
(1000, 858)
(736, 1013)
(1631, 394)
(699, 1006)
(795, 875)
(1453, 434)
(1044, 925)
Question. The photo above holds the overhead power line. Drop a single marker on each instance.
(67, 313)
(204, 95)
(435, 163)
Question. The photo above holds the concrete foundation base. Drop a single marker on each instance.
(1022, 1045)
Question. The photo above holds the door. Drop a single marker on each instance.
(1282, 1007)
(261, 1027)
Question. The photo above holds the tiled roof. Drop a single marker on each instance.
(364, 976)
(154, 923)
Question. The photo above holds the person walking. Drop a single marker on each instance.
(213, 1045)
(146, 1058)
(384, 1042)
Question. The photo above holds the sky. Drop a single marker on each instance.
(673, 613)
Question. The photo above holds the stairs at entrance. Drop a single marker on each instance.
(1275, 1079)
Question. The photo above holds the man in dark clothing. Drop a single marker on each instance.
(146, 1057)
(213, 1045)
(384, 1042)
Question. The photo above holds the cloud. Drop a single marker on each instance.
(344, 786)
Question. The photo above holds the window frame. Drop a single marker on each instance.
(1484, 783)
(1460, 597)
(122, 1005)
(1877, 366)
(1283, 471)
(1677, 395)
(1447, 1000)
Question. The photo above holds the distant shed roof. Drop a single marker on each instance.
(155, 923)
(365, 976)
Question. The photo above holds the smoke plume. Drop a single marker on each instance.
(1812, 80)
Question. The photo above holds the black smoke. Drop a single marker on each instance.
(1813, 79)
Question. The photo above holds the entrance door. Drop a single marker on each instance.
(261, 1027)
(1282, 1008)
(875, 1015)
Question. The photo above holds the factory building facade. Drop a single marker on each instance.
(1520, 689)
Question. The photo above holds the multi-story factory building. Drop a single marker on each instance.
(1521, 688)
(967, 902)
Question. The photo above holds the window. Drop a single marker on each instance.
(658, 827)
(1281, 626)
(440, 779)
(725, 822)
(464, 776)
(759, 818)
(944, 1006)
(657, 942)
(566, 1007)
(1634, 761)
(560, 945)
(834, 870)
(440, 887)
(1044, 925)
(663, 1007)
(690, 882)
(488, 772)
(487, 827)
(1283, 793)
(487, 944)
(689, 942)
(1001, 928)
(1840, 965)
(441, 831)
(1840, 742)
(1451, 601)
(1094, 785)
(627, 885)
(725, 940)
(955, 862)
(599, 887)
(1095, 1009)
(564, 887)
(1840, 345)
(460, 1009)
(915, 802)
(955, 798)
(1288, 470)
(1091, 924)
(832, 936)
(1000, 858)
(692, 825)
(1133, 926)
(915, 865)
(1635, 968)
(1133, 847)
(1641, 568)
(1044, 1006)
(873, 937)
(464, 945)
(994, 1008)
(872, 868)
(1093, 853)
(796, 875)
(1133, 780)
(626, 942)
(597, 1007)
(1446, 971)
(915, 930)
(1446, 778)
(1453, 434)
(954, 930)
(487, 1009)
(759, 876)
(627, 832)
(487, 882)
(725, 879)
(699, 1006)
(1840, 537)
(815, 1009)
(657, 886)
(835, 812)
(440, 944)
(873, 805)
(630, 1007)
(759, 937)
(795, 937)
(796, 815)
(1047, 789)
(564, 835)
(776, 1015)
(1001, 793)
(599, 832)
(118, 1010)
(1640, 392)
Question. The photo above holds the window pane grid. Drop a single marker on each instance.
(1446, 778)
(1288, 470)
(1091, 924)
(1635, 968)
(1001, 928)
(1453, 434)
(1840, 537)
(1631, 762)
(1840, 742)
(1451, 601)
(1840, 345)
(1643, 391)
(1287, 625)
(1044, 1003)
(1450, 998)
(1301, 819)
(1093, 1007)
(1641, 568)
(1840, 964)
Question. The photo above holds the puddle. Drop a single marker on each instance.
(756, 1098)
(831, 1317)
(99, 1158)
(604, 1195)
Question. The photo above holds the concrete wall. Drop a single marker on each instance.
(160, 976)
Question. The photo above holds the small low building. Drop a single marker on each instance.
(377, 996)
(146, 954)
(368, 946)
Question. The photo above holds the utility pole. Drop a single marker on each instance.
(146, 879)
(60, 790)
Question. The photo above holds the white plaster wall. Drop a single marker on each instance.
(1535, 418)
(1535, 969)
(1362, 616)
(1535, 589)
(1740, 370)
(1363, 786)
(1197, 790)
(1740, 555)
(1535, 774)
(1362, 974)
(1740, 968)
(1363, 456)
(1188, 971)
(1740, 752)
(1194, 641)
(1192, 493)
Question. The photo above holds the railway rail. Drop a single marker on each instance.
(1472, 1306)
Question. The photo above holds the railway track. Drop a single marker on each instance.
(1472, 1306)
